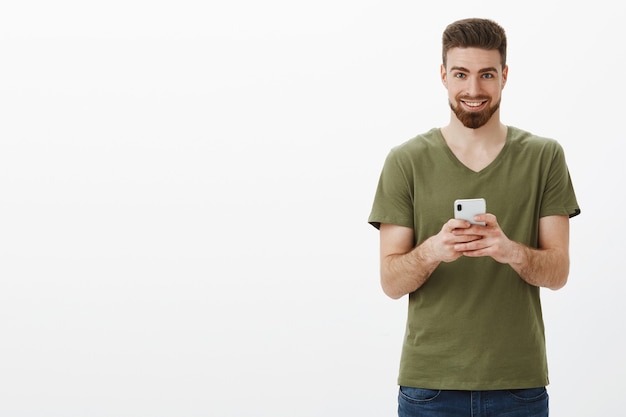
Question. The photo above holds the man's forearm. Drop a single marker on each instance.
(541, 267)
(402, 274)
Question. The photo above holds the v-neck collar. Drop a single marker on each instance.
(493, 163)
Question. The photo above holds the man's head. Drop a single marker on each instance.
(476, 33)
(474, 69)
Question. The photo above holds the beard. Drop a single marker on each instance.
(474, 120)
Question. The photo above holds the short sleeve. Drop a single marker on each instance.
(393, 201)
(559, 197)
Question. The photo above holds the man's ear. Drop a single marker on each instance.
(444, 76)
(505, 74)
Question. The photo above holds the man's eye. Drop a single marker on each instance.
(459, 75)
(487, 75)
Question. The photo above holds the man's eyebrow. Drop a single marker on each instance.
(483, 70)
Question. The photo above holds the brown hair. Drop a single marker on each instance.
(477, 33)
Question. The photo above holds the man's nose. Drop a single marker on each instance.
(473, 86)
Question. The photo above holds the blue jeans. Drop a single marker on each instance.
(418, 402)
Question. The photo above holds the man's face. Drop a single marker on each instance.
(474, 78)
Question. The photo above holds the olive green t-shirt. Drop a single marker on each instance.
(475, 324)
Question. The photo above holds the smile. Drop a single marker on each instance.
(473, 104)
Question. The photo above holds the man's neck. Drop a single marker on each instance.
(491, 134)
(475, 148)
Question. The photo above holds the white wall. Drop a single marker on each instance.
(184, 189)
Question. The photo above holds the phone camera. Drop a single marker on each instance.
(459, 207)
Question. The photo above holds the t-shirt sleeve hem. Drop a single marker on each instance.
(563, 211)
(377, 221)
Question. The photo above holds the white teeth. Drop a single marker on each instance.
(473, 103)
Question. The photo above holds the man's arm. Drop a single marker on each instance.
(404, 267)
(547, 266)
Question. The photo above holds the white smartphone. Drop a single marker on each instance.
(467, 208)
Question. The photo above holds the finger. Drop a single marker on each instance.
(448, 227)
(458, 224)
(469, 249)
(488, 218)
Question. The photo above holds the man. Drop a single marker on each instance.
(474, 343)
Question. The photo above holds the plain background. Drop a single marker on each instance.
(184, 192)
